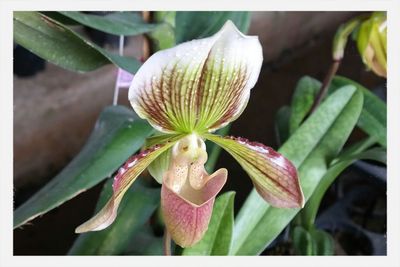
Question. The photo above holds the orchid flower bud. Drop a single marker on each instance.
(371, 43)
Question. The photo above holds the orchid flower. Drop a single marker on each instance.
(186, 93)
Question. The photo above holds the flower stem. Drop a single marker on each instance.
(325, 85)
(146, 51)
(167, 243)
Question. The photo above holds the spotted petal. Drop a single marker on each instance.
(187, 211)
(188, 191)
(200, 85)
(126, 175)
(274, 177)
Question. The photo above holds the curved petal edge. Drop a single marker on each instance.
(274, 177)
(124, 178)
(185, 220)
(200, 85)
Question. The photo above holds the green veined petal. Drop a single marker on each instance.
(199, 85)
(274, 177)
(126, 175)
(161, 138)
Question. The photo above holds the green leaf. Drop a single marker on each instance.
(116, 136)
(144, 242)
(164, 36)
(61, 46)
(303, 98)
(282, 118)
(312, 242)
(217, 239)
(199, 24)
(137, 206)
(311, 148)
(323, 243)
(118, 23)
(309, 213)
(302, 241)
(60, 18)
(355, 149)
(373, 116)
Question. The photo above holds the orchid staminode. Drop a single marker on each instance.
(186, 93)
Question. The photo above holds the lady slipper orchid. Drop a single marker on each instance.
(186, 93)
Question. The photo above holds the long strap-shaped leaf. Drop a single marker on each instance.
(310, 210)
(310, 148)
(373, 116)
(118, 23)
(199, 24)
(116, 136)
(58, 44)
